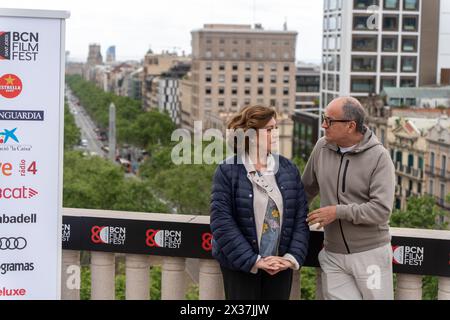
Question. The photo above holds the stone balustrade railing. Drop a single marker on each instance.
(174, 276)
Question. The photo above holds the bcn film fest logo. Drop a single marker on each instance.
(19, 46)
(108, 235)
(163, 239)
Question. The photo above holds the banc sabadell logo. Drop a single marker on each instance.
(19, 46)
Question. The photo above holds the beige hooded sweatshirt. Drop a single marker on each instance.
(361, 183)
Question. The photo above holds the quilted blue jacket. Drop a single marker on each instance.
(234, 243)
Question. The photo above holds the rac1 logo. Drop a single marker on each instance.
(10, 86)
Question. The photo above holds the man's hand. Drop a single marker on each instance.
(323, 216)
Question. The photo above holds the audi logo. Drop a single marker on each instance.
(13, 243)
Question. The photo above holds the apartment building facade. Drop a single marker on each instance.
(236, 65)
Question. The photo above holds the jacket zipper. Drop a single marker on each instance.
(345, 175)
(337, 194)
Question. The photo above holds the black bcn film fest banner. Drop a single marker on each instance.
(193, 240)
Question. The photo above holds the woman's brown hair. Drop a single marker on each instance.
(250, 117)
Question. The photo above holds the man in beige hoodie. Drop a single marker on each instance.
(355, 178)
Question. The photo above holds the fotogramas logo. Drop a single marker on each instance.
(108, 235)
(406, 255)
(163, 239)
(19, 46)
(10, 86)
(16, 267)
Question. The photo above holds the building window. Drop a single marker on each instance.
(260, 90)
(389, 64)
(221, 103)
(235, 54)
(273, 91)
(286, 91)
(364, 43)
(248, 55)
(222, 41)
(286, 104)
(222, 66)
(286, 68)
(273, 55)
(234, 78)
(208, 78)
(390, 23)
(208, 54)
(432, 158)
(208, 41)
(285, 79)
(260, 66)
(234, 67)
(234, 103)
(221, 54)
(248, 66)
(247, 91)
(364, 4)
(411, 5)
(221, 78)
(273, 79)
(247, 78)
(364, 63)
(391, 4)
(273, 102)
(407, 82)
(273, 67)
(431, 190)
(410, 23)
(330, 82)
(389, 43)
(443, 165)
(208, 103)
(409, 64)
(234, 90)
(208, 90)
(360, 22)
(409, 44)
(221, 90)
(387, 83)
(208, 66)
(360, 84)
(260, 79)
(260, 54)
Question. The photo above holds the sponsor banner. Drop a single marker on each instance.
(31, 145)
(191, 240)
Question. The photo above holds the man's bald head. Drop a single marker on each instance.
(351, 109)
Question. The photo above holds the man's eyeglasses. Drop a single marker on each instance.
(329, 121)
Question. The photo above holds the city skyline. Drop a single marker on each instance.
(141, 26)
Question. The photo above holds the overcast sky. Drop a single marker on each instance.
(135, 25)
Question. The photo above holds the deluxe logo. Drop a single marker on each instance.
(17, 193)
(20, 219)
(22, 115)
(108, 235)
(65, 232)
(163, 238)
(16, 267)
(407, 255)
(8, 135)
(5, 292)
(10, 86)
(19, 46)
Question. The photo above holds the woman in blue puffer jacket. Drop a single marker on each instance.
(258, 212)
